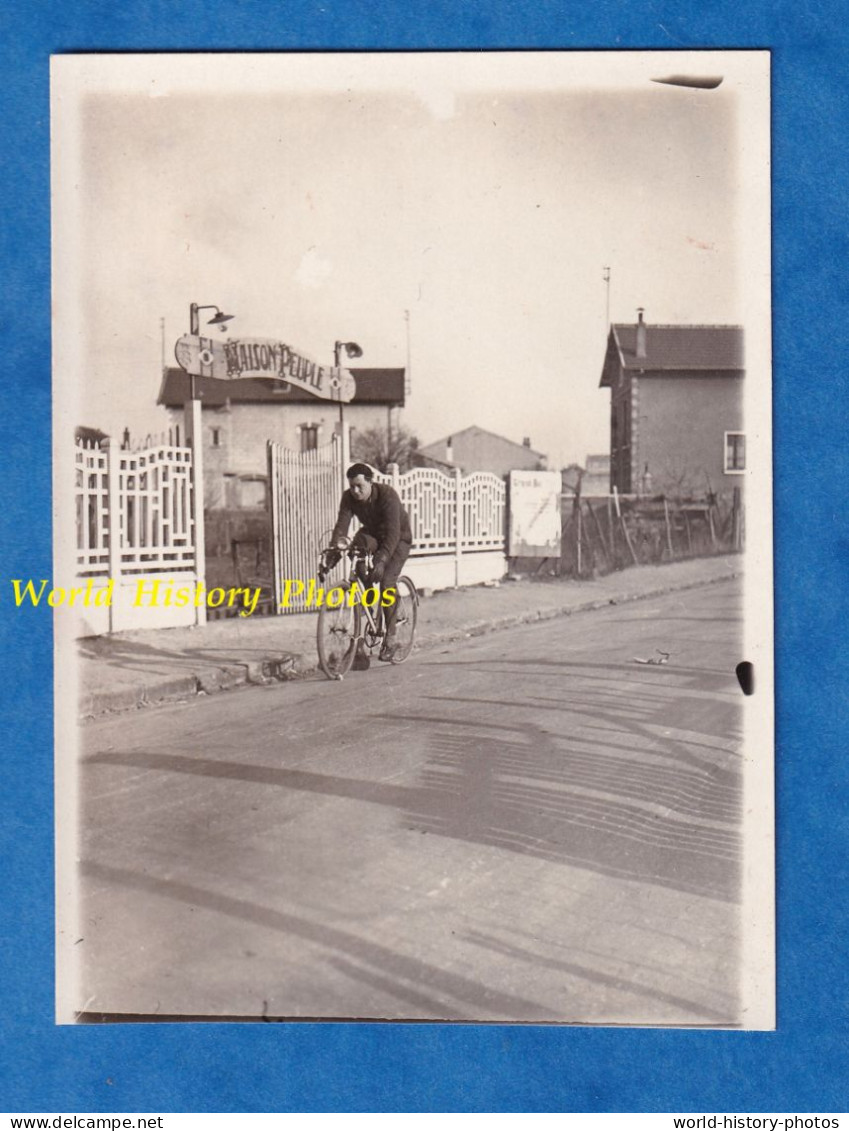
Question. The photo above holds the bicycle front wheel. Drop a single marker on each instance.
(407, 605)
(337, 633)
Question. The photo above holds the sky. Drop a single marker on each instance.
(456, 210)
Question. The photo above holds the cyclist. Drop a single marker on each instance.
(385, 533)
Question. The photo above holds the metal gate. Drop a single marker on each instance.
(305, 491)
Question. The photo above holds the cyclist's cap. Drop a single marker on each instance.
(360, 469)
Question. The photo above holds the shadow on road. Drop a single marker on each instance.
(439, 993)
(571, 802)
(583, 800)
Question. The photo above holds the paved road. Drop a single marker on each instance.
(525, 826)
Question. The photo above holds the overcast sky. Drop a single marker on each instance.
(320, 197)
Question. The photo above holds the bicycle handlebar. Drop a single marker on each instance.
(350, 551)
(330, 556)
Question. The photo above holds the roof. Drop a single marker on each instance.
(681, 349)
(374, 386)
(475, 430)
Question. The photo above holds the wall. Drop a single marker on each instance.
(245, 428)
(123, 615)
(445, 571)
(622, 414)
(678, 430)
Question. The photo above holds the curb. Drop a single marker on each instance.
(534, 616)
(288, 666)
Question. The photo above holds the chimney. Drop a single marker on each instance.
(526, 442)
(641, 333)
(449, 450)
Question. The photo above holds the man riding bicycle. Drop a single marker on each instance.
(385, 533)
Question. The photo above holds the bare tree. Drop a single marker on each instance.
(379, 447)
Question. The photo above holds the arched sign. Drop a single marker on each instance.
(261, 357)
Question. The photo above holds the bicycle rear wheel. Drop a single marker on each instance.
(337, 633)
(407, 604)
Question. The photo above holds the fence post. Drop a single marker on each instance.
(622, 523)
(346, 453)
(199, 531)
(458, 525)
(668, 528)
(735, 520)
(273, 495)
(113, 470)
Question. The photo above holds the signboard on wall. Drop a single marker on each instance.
(261, 357)
(534, 506)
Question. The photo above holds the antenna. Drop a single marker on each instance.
(162, 340)
(607, 288)
(408, 380)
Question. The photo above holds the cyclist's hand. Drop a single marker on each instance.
(329, 558)
(376, 575)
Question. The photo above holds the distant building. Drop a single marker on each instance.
(594, 478)
(475, 449)
(676, 415)
(239, 417)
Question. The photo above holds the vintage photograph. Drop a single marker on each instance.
(412, 589)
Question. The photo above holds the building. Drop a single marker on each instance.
(594, 478)
(676, 412)
(239, 417)
(475, 449)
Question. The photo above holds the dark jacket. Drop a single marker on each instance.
(382, 516)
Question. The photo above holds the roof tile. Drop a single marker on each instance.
(682, 347)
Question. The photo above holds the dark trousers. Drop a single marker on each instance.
(390, 577)
(390, 574)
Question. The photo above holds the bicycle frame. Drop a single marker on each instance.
(359, 623)
(361, 563)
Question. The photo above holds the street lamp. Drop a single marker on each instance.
(350, 348)
(194, 421)
(218, 319)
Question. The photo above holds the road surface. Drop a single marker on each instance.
(527, 826)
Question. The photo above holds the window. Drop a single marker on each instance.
(735, 453)
(309, 437)
(216, 437)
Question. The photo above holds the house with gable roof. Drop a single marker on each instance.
(476, 449)
(239, 417)
(676, 408)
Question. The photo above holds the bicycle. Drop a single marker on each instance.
(349, 620)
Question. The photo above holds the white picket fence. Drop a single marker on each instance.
(135, 525)
(134, 521)
(452, 514)
(458, 521)
(305, 490)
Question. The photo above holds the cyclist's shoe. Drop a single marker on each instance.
(362, 661)
(387, 652)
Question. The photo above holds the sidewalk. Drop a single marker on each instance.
(138, 669)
